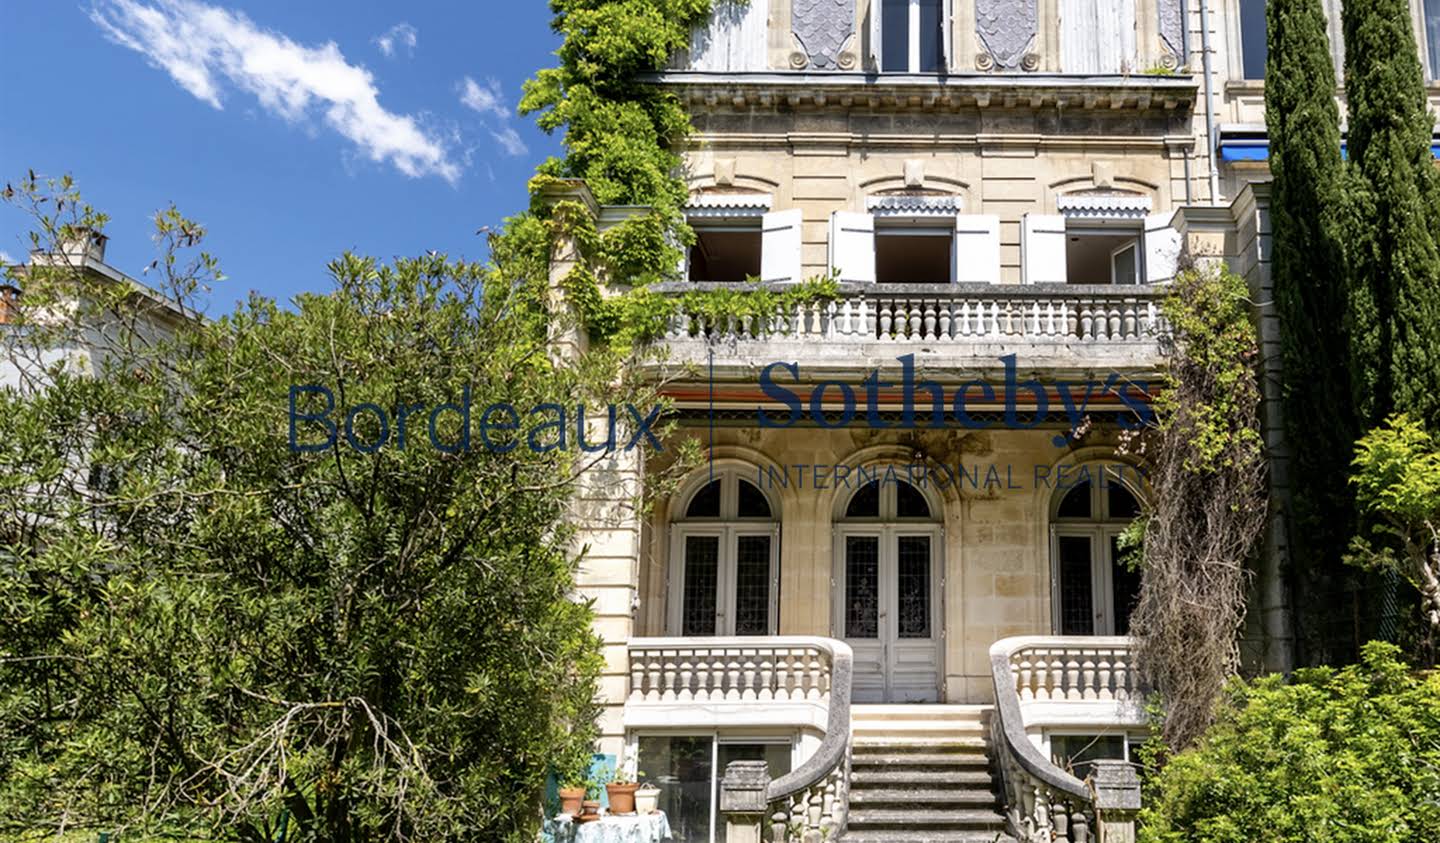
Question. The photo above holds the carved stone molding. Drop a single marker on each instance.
(1006, 29)
(823, 27)
(1172, 29)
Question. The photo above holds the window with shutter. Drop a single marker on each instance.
(976, 255)
(1042, 247)
(780, 246)
(852, 246)
(1162, 248)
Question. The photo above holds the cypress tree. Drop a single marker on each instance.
(1394, 323)
(1308, 273)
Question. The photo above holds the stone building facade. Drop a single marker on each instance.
(1003, 189)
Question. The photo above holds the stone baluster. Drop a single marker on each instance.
(845, 329)
(1129, 327)
(637, 675)
(783, 675)
(1057, 675)
(1122, 679)
(748, 689)
(732, 677)
(1087, 677)
(886, 317)
(1072, 678)
(1103, 676)
(1087, 321)
(916, 311)
(1115, 332)
(767, 675)
(686, 691)
(867, 317)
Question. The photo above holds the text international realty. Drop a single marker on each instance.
(976, 477)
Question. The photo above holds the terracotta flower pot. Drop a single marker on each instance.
(647, 800)
(589, 813)
(622, 797)
(570, 799)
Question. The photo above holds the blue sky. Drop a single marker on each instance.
(292, 130)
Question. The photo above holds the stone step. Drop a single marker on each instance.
(919, 760)
(955, 745)
(921, 723)
(867, 713)
(954, 819)
(926, 836)
(908, 777)
(901, 797)
(935, 742)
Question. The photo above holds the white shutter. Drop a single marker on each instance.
(947, 35)
(852, 246)
(780, 246)
(976, 254)
(1042, 249)
(733, 39)
(875, 35)
(1162, 248)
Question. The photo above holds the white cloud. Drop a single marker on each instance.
(5, 258)
(203, 46)
(510, 141)
(488, 99)
(400, 35)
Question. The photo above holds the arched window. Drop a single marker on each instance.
(1095, 592)
(724, 559)
(887, 590)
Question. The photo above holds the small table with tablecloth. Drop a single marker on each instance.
(615, 828)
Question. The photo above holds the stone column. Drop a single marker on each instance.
(1117, 800)
(604, 509)
(742, 800)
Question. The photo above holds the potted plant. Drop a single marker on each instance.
(590, 807)
(621, 790)
(572, 793)
(647, 798)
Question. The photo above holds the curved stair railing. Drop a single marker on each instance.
(812, 801)
(1043, 802)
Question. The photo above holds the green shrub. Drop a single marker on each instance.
(1339, 756)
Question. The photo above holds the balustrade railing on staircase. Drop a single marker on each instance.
(813, 796)
(1044, 802)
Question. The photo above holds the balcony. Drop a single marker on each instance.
(959, 327)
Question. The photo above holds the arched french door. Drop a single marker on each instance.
(725, 560)
(888, 586)
(1095, 591)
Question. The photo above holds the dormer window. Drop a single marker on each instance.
(911, 35)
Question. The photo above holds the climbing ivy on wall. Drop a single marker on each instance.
(621, 136)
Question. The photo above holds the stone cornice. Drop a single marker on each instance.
(928, 92)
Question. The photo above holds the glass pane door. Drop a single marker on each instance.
(1077, 589)
(702, 576)
(862, 587)
(752, 585)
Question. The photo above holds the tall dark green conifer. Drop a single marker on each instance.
(1308, 273)
(1394, 323)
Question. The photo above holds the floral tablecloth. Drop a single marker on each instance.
(649, 828)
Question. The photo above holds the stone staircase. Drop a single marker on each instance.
(922, 774)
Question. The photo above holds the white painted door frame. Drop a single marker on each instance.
(889, 668)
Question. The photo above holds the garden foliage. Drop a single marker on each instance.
(1344, 756)
(205, 630)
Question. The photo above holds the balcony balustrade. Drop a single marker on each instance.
(1081, 325)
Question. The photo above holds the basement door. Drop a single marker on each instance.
(887, 598)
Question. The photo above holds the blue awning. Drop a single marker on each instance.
(1258, 149)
